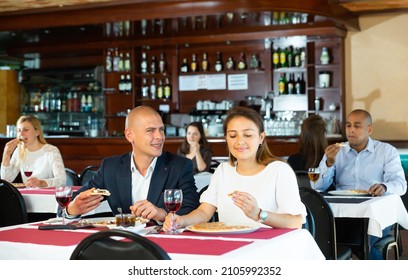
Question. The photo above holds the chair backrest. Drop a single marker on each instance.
(310, 223)
(302, 178)
(13, 209)
(72, 177)
(105, 245)
(87, 173)
(325, 231)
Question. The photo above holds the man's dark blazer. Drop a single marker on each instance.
(171, 172)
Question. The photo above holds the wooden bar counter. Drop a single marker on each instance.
(79, 152)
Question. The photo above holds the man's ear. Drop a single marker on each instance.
(370, 129)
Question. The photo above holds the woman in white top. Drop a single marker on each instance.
(30, 152)
(254, 187)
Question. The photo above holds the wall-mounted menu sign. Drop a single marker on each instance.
(198, 82)
(238, 82)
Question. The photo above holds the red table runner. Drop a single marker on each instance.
(261, 233)
(170, 245)
(43, 237)
(198, 246)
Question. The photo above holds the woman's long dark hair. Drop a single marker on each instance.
(263, 155)
(185, 147)
(313, 140)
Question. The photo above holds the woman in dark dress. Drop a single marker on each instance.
(196, 147)
(312, 144)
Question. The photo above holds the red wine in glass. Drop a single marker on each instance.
(63, 201)
(28, 173)
(173, 198)
(173, 206)
(63, 195)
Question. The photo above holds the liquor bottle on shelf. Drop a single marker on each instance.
(64, 103)
(162, 64)
(128, 88)
(282, 58)
(116, 59)
(167, 89)
(145, 89)
(184, 66)
(282, 84)
(276, 58)
(127, 64)
(89, 102)
(230, 65)
(108, 62)
(194, 65)
(122, 85)
(289, 56)
(121, 62)
(58, 102)
(291, 84)
(83, 103)
(204, 62)
(296, 58)
(153, 89)
(303, 57)
(160, 90)
(153, 65)
(143, 64)
(75, 102)
(254, 62)
(126, 27)
(324, 56)
(300, 87)
(69, 102)
(218, 63)
(242, 65)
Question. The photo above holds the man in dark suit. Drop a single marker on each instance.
(137, 180)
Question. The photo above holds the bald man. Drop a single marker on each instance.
(137, 180)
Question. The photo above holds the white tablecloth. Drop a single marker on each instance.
(46, 203)
(294, 245)
(381, 211)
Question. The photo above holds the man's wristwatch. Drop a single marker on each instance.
(263, 216)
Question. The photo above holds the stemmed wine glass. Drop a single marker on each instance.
(173, 199)
(63, 195)
(314, 174)
(27, 170)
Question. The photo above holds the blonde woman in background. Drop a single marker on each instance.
(30, 152)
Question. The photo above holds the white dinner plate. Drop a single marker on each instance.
(232, 231)
(347, 193)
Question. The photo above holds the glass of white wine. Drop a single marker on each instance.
(313, 173)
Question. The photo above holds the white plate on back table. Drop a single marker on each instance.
(347, 193)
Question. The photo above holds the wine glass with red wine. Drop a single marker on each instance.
(28, 171)
(173, 198)
(63, 195)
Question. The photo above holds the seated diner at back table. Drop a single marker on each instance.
(362, 163)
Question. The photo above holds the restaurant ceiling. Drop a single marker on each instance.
(37, 6)
(30, 20)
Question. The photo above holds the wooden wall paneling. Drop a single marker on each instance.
(10, 99)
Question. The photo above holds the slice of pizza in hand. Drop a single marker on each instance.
(100, 192)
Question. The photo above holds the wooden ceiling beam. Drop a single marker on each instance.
(172, 9)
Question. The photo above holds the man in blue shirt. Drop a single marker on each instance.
(362, 163)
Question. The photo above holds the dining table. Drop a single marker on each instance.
(371, 214)
(42, 200)
(27, 242)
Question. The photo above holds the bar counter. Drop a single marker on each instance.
(79, 152)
